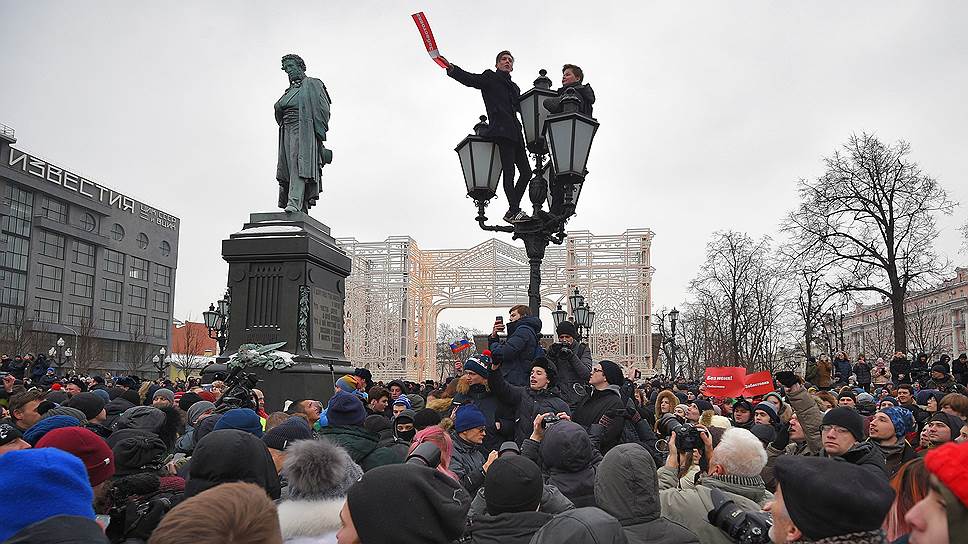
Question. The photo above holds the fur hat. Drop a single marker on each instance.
(319, 470)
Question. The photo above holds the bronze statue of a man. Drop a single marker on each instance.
(303, 118)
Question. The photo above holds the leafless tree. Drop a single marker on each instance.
(874, 210)
(188, 355)
(878, 338)
(89, 349)
(137, 352)
(929, 329)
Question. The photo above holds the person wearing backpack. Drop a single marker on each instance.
(521, 347)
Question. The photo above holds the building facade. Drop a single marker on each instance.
(82, 262)
(936, 321)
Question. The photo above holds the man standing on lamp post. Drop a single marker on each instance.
(501, 100)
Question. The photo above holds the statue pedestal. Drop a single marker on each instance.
(287, 284)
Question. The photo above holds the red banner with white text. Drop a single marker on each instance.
(725, 381)
(427, 35)
(758, 384)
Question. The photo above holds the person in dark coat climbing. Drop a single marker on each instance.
(627, 487)
(502, 102)
(516, 353)
(539, 397)
(605, 407)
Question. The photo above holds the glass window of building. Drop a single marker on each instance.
(79, 314)
(88, 222)
(159, 327)
(53, 209)
(47, 311)
(51, 278)
(162, 301)
(165, 248)
(109, 348)
(14, 287)
(163, 275)
(82, 284)
(83, 253)
(139, 269)
(138, 296)
(136, 324)
(112, 291)
(11, 316)
(142, 240)
(111, 320)
(14, 254)
(51, 244)
(21, 210)
(113, 261)
(117, 232)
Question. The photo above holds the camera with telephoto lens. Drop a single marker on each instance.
(549, 419)
(238, 391)
(688, 438)
(427, 454)
(742, 526)
(668, 423)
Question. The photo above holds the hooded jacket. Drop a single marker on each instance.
(862, 369)
(673, 402)
(567, 460)
(691, 506)
(517, 351)
(362, 446)
(866, 454)
(825, 373)
(627, 487)
(584, 92)
(230, 455)
(581, 526)
(507, 528)
(896, 455)
(552, 502)
(526, 403)
(305, 521)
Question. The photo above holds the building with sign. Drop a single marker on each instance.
(83, 262)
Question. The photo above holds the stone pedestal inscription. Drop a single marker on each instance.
(327, 320)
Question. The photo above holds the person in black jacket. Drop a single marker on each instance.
(501, 100)
(539, 397)
(604, 407)
(572, 79)
(900, 368)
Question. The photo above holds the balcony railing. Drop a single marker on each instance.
(7, 132)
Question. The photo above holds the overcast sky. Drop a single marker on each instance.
(709, 111)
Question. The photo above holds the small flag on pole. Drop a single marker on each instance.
(460, 345)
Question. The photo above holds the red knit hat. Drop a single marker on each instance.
(207, 395)
(89, 447)
(950, 464)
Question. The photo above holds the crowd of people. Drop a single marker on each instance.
(527, 445)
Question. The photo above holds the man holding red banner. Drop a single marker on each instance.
(501, 100)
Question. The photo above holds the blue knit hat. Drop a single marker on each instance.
(46, 425)
(475, 366)
(243, 419)
(105, 396)
(39, 484)
(402, 399)
(346, 409)
(902, 418)
(468, 417)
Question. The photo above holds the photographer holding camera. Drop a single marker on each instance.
(733, 477)
(574, 362)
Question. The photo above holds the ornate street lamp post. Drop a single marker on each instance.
(60, 353)
(673, 319)
(160, 362)
(581, 313)
(567, 136)
(217, 321)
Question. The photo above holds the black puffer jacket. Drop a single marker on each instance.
(863, 372)
(627, 487)
(568, 461)
(526, 403)
(501, 101)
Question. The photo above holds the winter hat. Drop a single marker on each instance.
(28, 496)
(612, 372)
(46, 425)
(940, 367)
(402, 399)
(9, 433)
(766, 433)
(890, 399)
(56, 395)
(88, 403)
(777, 404)
(187, 399)
(846, 418)
(147, 418)
(319, 470)
(436, 506)
(102, 394)
(864, 398)
(375, 423)
(953, 422)
(743, 403)
(167, 394)
(197, 409)
(703, 405)
(770, 411)
(66, 411)
(206, 426)
(347, 409)
(475, 366)
(949, 463)
(243, 419)
(90, 448)
(131, 396)
(567, 327)
(467, 417)
(406, 416)
(231, 455)
(847, 395)
(138, 452)
(902, 419)
(283, 435)
(207, 395)
(586, 524)
(513, 484)
(925, 394)
(347, 384)
(416, 401)
(828, 497)
(550, 369)
(425, 418)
